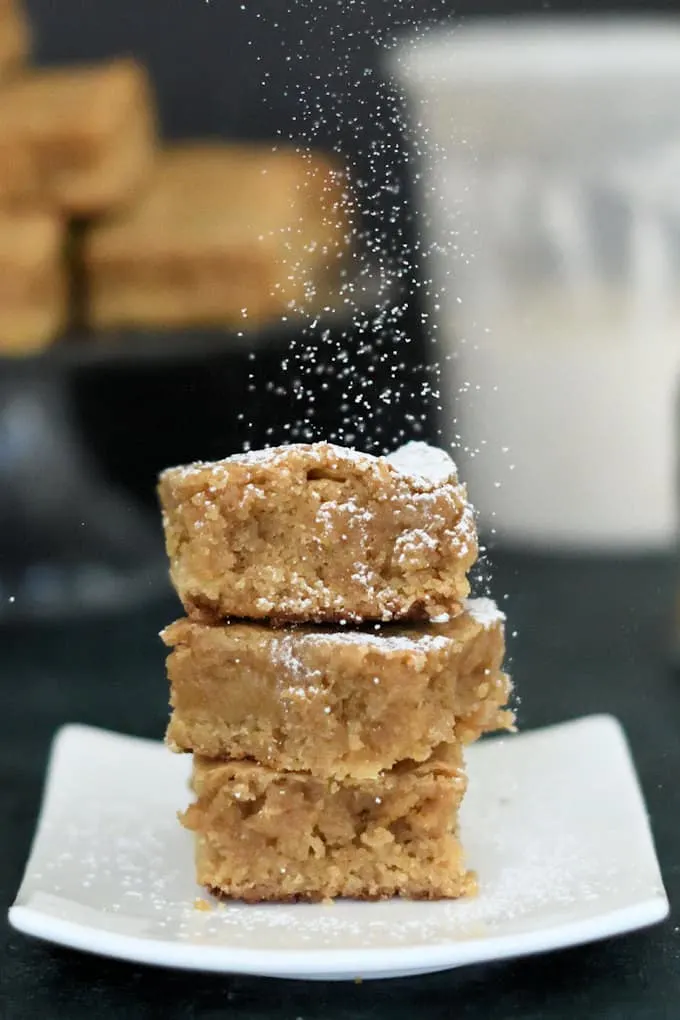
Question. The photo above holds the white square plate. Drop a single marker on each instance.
(554, 824)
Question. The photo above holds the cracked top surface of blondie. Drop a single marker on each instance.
(426, 465)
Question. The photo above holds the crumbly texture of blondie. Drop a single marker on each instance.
(336, 702)
(89, 131)
(33, 287)
(225, 234)
(319, 533)
(269, 835)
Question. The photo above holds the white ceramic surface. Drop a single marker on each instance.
(554, 824)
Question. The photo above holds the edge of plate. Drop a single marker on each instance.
(337, 964)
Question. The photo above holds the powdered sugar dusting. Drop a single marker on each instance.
(424, 462)
(303, 680)
(274, 456)
(421, 462)
(311, 451)
(484, 611)
(414, 549)
(284, 649)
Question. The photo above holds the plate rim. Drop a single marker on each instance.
(303, 962)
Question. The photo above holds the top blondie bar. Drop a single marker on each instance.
(319, 533)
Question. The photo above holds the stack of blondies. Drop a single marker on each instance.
(77, 143)
(329, 671)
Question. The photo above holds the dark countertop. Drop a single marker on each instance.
(593, 636)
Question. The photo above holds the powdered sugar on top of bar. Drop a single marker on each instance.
(272, 455)
(424, 462)
(484, 611)
(378, 639)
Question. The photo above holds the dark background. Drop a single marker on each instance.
(226, 67)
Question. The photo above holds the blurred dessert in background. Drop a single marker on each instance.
(196, 234)
(33, 281)
(74, 142)
(89, 131)
(224, 234)
(18, 174)
(15, 37)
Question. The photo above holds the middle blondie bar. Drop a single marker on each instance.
(336, 702)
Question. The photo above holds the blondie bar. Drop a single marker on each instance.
(336, 702)
(89, 131)
(268, 835)
(225, 234)
(319, 533)
(33, 288)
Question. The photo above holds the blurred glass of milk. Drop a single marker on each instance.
(550, 203)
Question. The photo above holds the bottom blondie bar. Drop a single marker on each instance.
(269, 835)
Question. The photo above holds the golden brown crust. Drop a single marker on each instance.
(416, 613)
(317, 532)
(263, 894)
